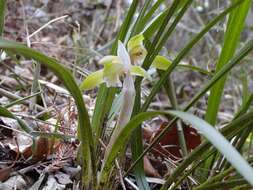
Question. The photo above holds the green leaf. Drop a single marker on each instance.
(203, 127)
(232, 37)
(154, 24)
(184, 51)
(202, 151)
(220, 142)
(137, 146)
(161, 62)
(92, 80)
(2, 15)
(151, 12)
(6, 113)
(19, 101)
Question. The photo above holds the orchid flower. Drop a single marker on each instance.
(119, 66)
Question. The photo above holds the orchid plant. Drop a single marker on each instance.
(126, 64)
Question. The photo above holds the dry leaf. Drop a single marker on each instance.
(5, 173)
(169, 144)
(149, 169)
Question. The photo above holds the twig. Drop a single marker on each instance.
(131, 183)
(47, 24)
(120, 175)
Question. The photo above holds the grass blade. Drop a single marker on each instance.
(6, 113)
(151, 12)
(206, 129)
(136, 145)
(187, 48)
(232, 37)
(21, 100)
(2, 16)
(228, 131)
(219, 141)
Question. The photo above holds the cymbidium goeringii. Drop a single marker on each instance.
(117, 66)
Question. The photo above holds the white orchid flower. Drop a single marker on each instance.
(118, 66)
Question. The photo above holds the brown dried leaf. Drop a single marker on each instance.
(149, 169)
(5, 173)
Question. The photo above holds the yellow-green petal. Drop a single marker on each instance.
(92, 80)
(139, 71)
(113, 69)
(112, 81)
(109, 59)
(111, 73)
(161, 63)
(135, 41)
(138, 53)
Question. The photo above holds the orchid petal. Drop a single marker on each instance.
(161, 63)
(139, 71)
(111, 73)
(136, 48)
(135, 41)
(92, 80)
(109, 59)
(123, 55)
(113, 81)
(113, 69)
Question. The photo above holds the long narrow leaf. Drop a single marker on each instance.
(2, 15)
(218, 141)
(232, 37)
(203, 127)
(6, 113)
(184, 51)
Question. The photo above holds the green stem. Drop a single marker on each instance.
(223, 184)
(2, 16)
(170, 90)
